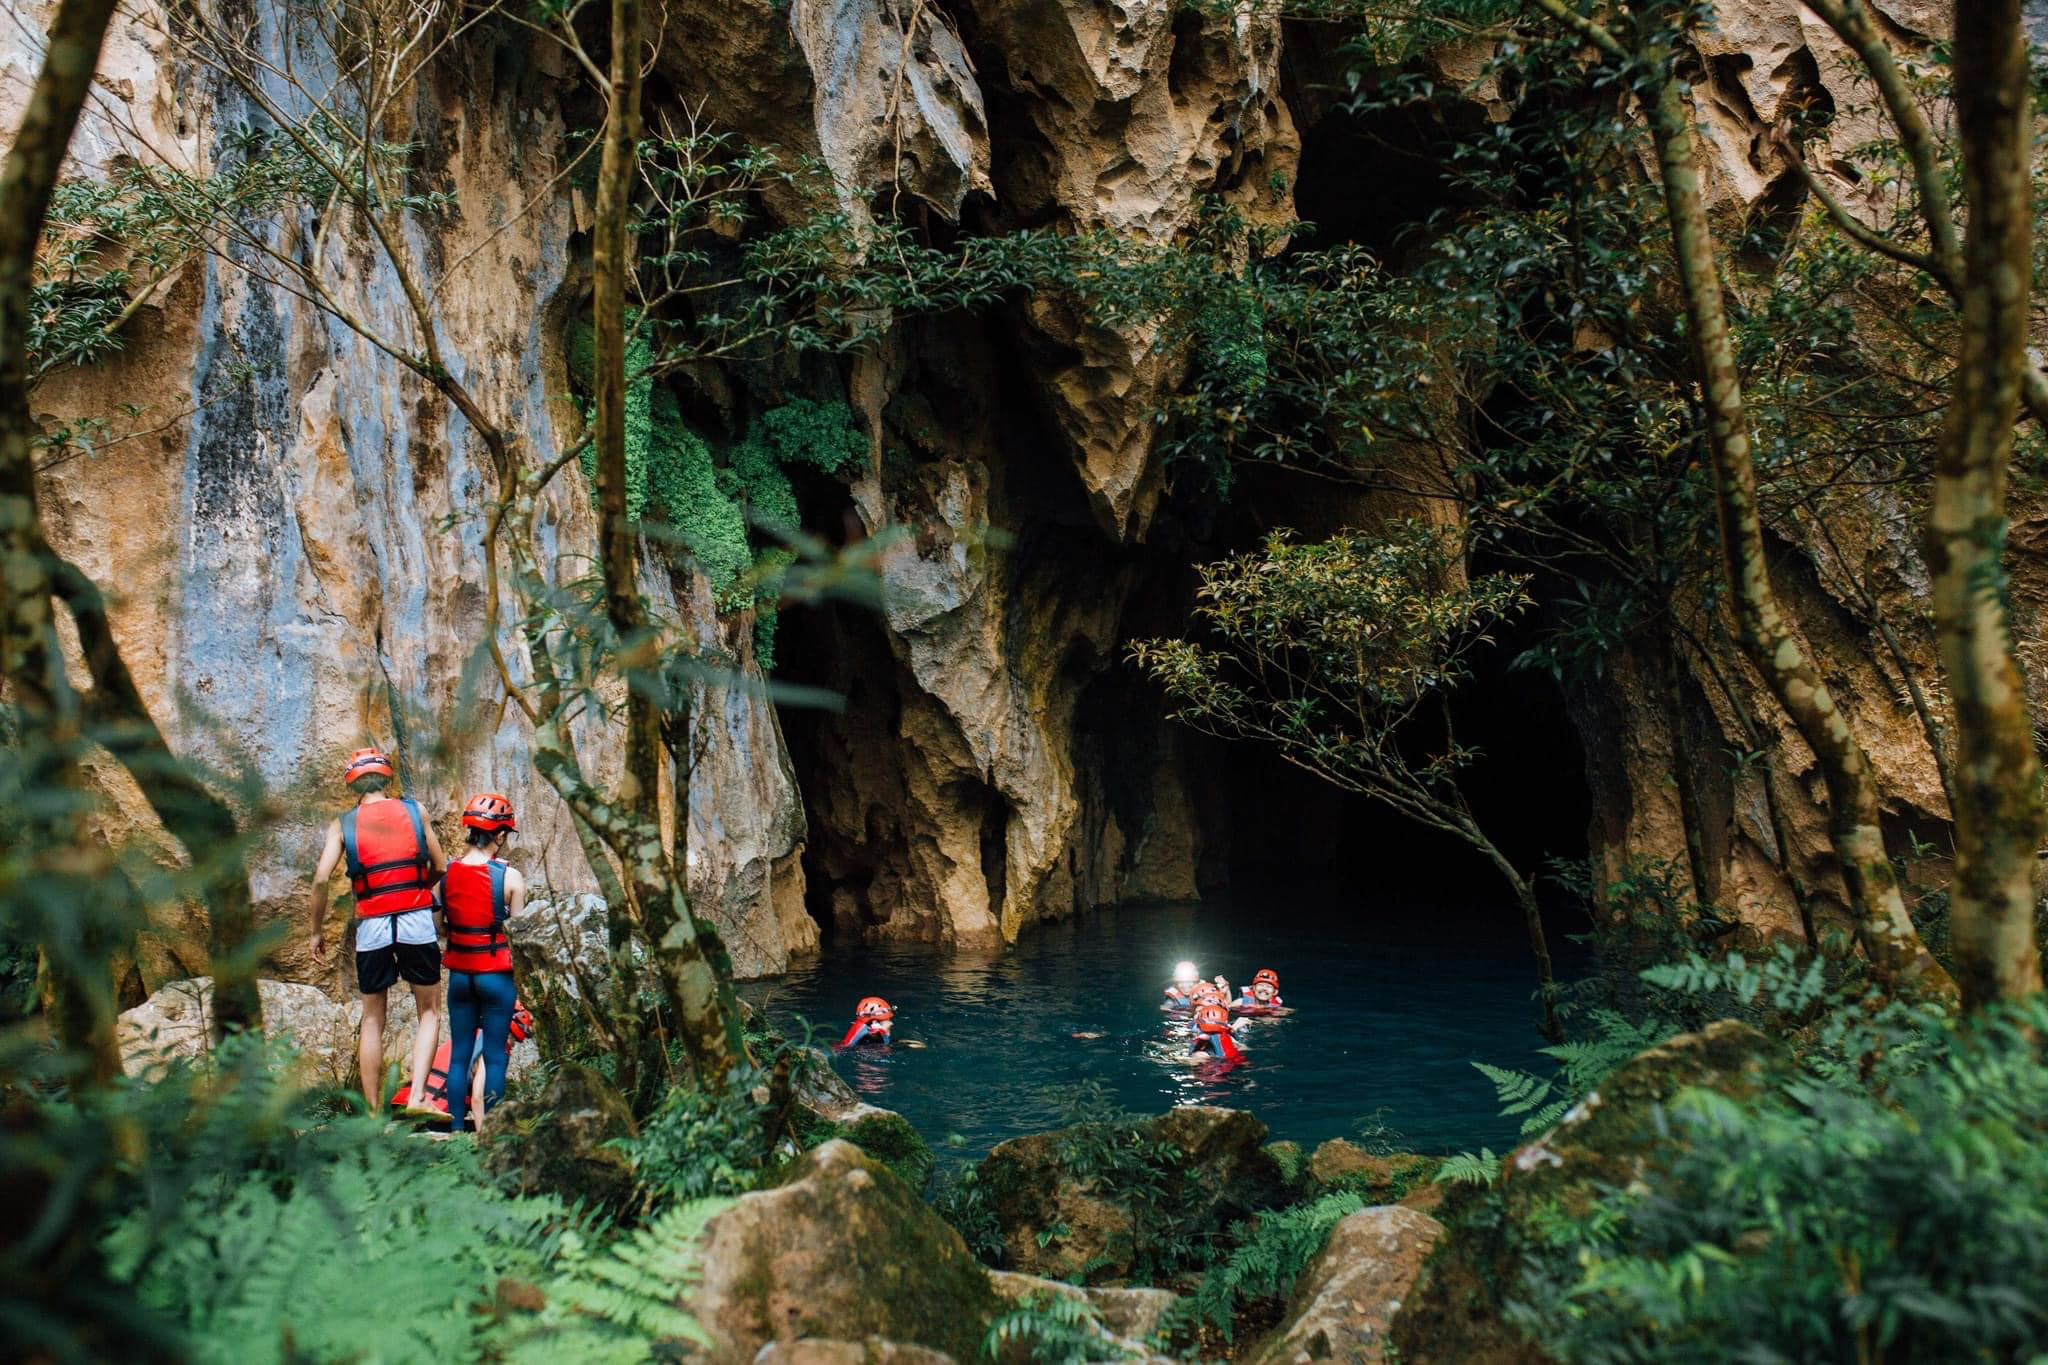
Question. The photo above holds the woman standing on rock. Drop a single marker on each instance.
(481, 892)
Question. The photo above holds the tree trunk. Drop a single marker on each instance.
(1894, 948)
(1998, 809)
(1682, 769)
(81, 1004)
(695, 968)
(1532, 920)
(33, 575)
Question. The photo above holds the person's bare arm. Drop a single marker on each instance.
(515, 891)
(330, 858)
(434, 852)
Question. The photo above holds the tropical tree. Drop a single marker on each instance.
(1341, 655)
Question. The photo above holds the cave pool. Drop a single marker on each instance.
(1392, 1003)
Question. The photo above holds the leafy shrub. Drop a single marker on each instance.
(698, 1143)
(960, 1199)
(1271, 1254)
(255, 1231)
(609, 1306)
(1889, 1203)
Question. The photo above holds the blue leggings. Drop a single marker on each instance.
(477, 1000)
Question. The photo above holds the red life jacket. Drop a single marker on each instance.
(437, 1076)
(474, 896)
(389, 867)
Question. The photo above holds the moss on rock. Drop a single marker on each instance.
(841, 1250)
(1456, 1311)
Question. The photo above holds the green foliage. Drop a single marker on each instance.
(256, 1227)
(1891, 1201)
(697, 1144)
(960, 1198)
(618, 1304)
(1328, 650)
(1271, 1252)
(1053, 1329)
(1469, 1168)
(1117, 1159)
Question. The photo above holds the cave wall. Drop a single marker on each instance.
(294, 541)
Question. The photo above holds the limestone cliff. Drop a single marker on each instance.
(293, 532)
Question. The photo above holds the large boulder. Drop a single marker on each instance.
(1088, 1201)
(1347, 1296)
(1610, 1138)
(174, 1023)
(842, 1251)
(560, 1139)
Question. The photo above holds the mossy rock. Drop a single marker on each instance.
(841, 1250)
(889, 1139)
(559, 1138)
(1455, 1312)
(1098, 1200)
(1338, 1166)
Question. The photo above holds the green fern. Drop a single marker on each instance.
(1271, 1257)
(615, 1305)
(1053, 1329)
(1468, 1168)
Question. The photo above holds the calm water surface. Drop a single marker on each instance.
(1391, 1005)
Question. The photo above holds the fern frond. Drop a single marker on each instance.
(1468, 1168)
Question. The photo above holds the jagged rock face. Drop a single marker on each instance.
(1136, 110)
(293, 538)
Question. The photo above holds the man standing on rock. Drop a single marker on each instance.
(394, 862)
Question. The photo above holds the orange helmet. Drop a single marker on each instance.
(1211, 1017)
(1267, 974)
(364, 762)
(1204, 992)
(874, 1007)
(489, 811)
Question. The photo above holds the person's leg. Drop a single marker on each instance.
(428, 999)
(420, 965)
(464, 1003)
(370, 1051)
(499, 999)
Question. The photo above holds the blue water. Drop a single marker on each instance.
(1391, 1005)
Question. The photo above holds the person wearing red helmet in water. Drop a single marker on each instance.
(480, 892)
(873, 1017)
(1263, 995)
(1212, 1031)
(393, 862)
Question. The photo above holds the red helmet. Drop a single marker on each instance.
(522, 1022)
(489, 811)
(874, 1007)
(1267, 974)
(1212, 1018)
(364, 762)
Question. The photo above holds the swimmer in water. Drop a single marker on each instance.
(1212, 1032)
(1263, 995)
(873, 1017)
(1180, 992)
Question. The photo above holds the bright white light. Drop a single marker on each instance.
(1185, 972)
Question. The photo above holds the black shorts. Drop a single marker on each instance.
(378, 970)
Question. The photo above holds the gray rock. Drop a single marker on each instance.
(1346, 1299)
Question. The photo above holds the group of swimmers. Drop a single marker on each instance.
(1209, 1006)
